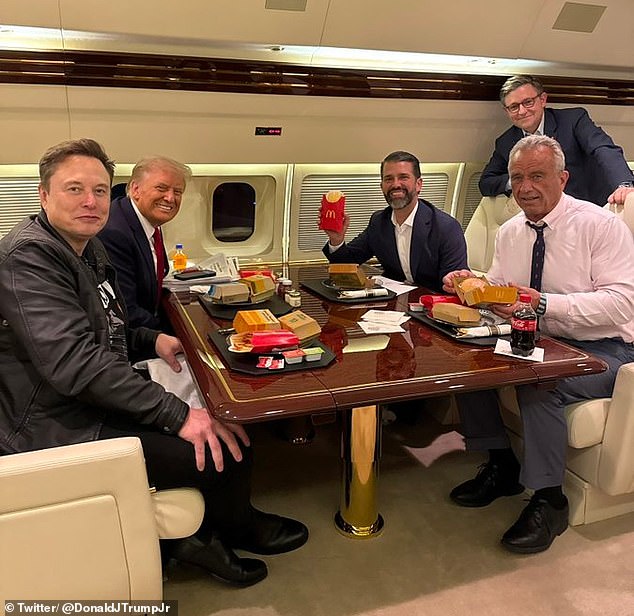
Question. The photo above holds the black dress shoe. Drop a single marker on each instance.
(536, 528)
(271, 534)
(486, 486)
(220, 561)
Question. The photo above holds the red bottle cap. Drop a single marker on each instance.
(525, 298)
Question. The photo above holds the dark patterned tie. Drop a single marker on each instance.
(159, 249)
(539, 248)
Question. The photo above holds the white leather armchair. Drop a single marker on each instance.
(480, 233)
(599, 479)
(81, 522)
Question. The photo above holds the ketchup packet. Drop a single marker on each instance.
(331, 213)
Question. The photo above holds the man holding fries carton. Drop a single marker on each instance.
(413, 240)
(575, 261)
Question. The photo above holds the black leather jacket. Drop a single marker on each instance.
(58, 376)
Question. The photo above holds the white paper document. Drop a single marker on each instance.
(390, 317)
(393, 285)
(503, 347)
(226, 269)
(370, 327)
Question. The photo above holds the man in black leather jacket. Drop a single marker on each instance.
(65, 376)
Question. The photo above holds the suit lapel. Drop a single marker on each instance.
(139, 235)
(388, 236)
(550, 124)
(420, 236)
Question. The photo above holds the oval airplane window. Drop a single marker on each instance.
(233, 214)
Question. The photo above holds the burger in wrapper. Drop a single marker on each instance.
(332, 209)
(478, 292)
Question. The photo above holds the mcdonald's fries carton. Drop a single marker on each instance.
(255, 321)
(332, 209)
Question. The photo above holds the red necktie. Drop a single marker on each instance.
(159, 249)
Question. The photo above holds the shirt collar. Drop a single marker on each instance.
(409, 221)
(148, 228)
(540, 129)
(555, 214)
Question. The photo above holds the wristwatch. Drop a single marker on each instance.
(541, 307)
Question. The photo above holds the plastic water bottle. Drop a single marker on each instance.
(179, 258)
(523, 327)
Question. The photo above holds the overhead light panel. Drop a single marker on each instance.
(286, 5)
(577, 17)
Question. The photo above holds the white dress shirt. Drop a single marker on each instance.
(588, 276)
(403, 235)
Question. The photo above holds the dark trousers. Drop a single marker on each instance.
(171, 463)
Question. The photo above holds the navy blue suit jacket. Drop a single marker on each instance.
(596, 165)
(130, 253)
(438, 246)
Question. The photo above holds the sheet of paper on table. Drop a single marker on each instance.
(393, 285)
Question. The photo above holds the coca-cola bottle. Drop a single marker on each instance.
(523, 327)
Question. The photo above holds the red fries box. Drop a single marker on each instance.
(428, 301)
(270, 341)
(332, 209)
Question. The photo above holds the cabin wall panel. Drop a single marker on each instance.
(32, 118)
(18, 12)
(203, 127)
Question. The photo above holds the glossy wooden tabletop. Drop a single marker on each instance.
(368, 369)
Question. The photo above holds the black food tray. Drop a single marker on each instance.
(317, 286)
(451, 330)
(246, 362)
(228, 311)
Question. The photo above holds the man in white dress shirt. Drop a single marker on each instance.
(586, 298)
(414, 241)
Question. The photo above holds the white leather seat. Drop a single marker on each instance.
(480, 233)
(599, 479)
(80, 522)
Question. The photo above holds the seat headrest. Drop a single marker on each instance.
(504, 208)
(625, 211)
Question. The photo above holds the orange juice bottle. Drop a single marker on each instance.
(179, 258)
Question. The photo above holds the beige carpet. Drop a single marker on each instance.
(433, 558)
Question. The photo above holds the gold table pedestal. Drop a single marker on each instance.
(358, 515)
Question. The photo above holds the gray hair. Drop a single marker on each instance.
(533, 142)
(517, 81)
(153, 162)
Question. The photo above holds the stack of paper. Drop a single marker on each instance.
(226, 268)
(382, 321)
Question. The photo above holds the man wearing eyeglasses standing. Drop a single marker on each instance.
(597, 167)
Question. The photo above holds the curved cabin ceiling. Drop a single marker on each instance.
(497, 37)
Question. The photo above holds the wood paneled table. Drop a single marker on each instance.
(368, 371)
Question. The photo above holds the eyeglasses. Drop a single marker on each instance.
(527, 103)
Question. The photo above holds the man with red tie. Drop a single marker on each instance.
(133, 235)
